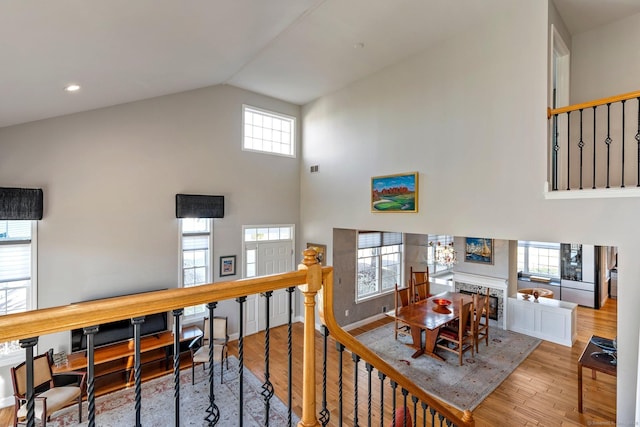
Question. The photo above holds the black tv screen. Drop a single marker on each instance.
(121, 330)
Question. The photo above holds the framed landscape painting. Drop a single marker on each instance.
(478, 250)
(395, 193)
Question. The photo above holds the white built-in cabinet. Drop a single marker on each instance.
(546, 318)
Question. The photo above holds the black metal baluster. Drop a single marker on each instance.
(241, 301)
(267, 387)
(414, 399)
(404, 407)
(623, 139)
(28, 344)
(369, 368)
(325, 415)
(581, 146)
(638, 143)
(137, 366)
(568, 149)
(356, 361)
(594, 147)
(90, 333)
(441, 418)
(382, 377)
(394, 386)
(340, 349)
(176, 363)
(433, 416)
(213, 412)
(289, 354)
(555, 150)
(424, 414)
(608, 139)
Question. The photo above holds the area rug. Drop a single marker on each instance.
(118, 409)
(463, 387)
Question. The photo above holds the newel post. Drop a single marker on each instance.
(309, 290)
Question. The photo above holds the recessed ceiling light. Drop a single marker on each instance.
(358, 45)
(72, 88)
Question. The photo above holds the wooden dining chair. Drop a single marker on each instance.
(402, 299)
(420, 284)
(460, 338)
(481, 318)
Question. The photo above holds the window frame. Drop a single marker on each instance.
(200, 311)
(379, 253)
(273, 114)
(527, 245)
(18, 356)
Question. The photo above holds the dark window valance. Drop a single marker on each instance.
(20, 203)
(199, 206)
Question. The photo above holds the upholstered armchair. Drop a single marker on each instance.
(49, 396)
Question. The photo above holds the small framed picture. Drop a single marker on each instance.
(227, 265)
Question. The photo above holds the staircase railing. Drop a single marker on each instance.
(27, 327)
(596, 144)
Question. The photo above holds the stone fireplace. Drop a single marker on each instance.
(476, 283)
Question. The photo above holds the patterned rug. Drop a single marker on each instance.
(466, 386)
(118, 409)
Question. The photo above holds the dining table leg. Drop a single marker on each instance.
(416, 336)
(430, 344)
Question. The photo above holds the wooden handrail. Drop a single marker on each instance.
(59, 319)
(349, 341)
(595, 103)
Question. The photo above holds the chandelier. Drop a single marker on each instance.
(444, 254)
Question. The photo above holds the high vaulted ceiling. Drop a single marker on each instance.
(296, 50)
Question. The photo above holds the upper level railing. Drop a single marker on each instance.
(596, 144)
(310, 279)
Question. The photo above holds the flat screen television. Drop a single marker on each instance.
(121, 330)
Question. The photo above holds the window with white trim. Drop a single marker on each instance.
(18, 290)
(539, 258)
(195, 255)
(253, 235)
(268, 131)
(379, 265)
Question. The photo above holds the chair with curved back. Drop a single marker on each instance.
(420, 284)
(49, 396)
(402, 298)
(199, 347)
(460, 338)
(481, 318)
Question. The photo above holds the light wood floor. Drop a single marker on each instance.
(542, 391)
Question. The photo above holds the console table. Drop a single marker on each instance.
(586, 361)
(114, 363)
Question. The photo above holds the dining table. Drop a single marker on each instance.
(426, 315)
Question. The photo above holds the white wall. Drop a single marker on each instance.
(469, 115)
(110, 177)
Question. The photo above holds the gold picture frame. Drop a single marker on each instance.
(395, 193)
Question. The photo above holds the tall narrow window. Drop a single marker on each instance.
(17, 275)
(379, 263)
(196, 243)
(268, 131)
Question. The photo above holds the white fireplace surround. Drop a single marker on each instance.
(497, 283)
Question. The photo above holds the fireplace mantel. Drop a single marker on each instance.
(497, 283)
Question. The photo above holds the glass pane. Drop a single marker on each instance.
(189, 277)
(195, 225)
(15, 230)
(250, 235)
(201, 275)
(263, 233)
(367, 276)
(251, 270)
(15, 262)
(251, 256)
(201, 258)
(16, 300)
(285, 233)
(188, 259)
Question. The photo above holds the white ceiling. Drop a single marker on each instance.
(296, 50)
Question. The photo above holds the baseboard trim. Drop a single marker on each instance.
(363, 322)
(6, 402)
